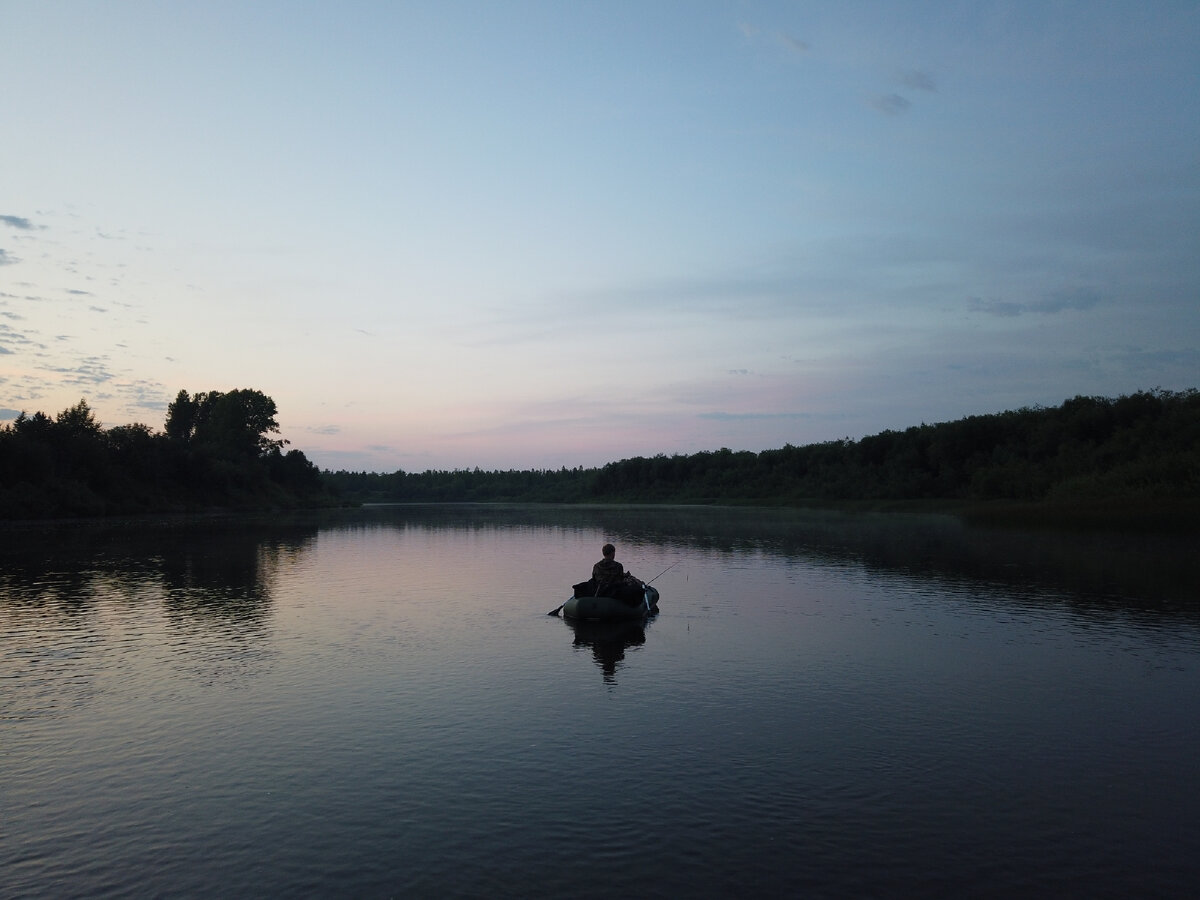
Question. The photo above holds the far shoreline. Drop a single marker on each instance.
(1149, 516)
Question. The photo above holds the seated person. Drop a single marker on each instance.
(609, 579)
(608, 572)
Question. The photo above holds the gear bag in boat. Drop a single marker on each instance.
(628, 590)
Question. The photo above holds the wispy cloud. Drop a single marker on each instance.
(91, 370)
(916, 79)
(790, 43)
(999, 308)
(1077, 298)
(1139, 359)
(894, 104)
(753, 417)
(15, 337)
(891, 104)
(6, 259)
(1059, 301)
(795, 45)
(144, 394)
(17, 222)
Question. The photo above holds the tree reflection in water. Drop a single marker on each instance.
(66, 588)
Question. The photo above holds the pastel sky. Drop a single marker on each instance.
(541, 234)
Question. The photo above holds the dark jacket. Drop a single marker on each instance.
(608, 571)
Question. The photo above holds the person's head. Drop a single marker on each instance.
(609, 551)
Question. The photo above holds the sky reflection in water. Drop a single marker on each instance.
(376, 703)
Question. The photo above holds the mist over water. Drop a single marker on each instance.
(375, 703)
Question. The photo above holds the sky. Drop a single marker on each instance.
(529, 235)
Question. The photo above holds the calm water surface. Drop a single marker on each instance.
(376, 704)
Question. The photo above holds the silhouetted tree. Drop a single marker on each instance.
(181, 418)
(217, 451)
(236, 423)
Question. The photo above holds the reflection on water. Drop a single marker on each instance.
(608, 641)
(222, 565)
(1147, 577)
(375, 703)
(76, 597)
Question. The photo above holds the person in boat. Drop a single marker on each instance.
(608, 573)
(611, 579)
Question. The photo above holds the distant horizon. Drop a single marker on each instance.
(7, 416)
(539, 235)
(761, 449)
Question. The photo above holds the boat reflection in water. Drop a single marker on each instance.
(608, 641)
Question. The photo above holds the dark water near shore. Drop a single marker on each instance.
(375, 703)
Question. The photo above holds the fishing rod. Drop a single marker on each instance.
(554, 612)
(663, 572)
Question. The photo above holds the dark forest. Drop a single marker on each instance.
(1134, 458)
(216, 452)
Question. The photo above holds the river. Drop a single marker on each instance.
(375, 703)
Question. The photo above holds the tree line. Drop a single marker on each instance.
(1140, 448)
(220, 450)
(216, 451)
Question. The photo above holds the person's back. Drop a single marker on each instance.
(608, 571)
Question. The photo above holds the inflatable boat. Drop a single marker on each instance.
(635, 602)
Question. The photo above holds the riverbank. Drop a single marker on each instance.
(1158, 516)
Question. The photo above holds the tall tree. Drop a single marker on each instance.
(78, 420)
(181, 417)
(236, 423)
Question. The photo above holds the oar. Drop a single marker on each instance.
(555, 611)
